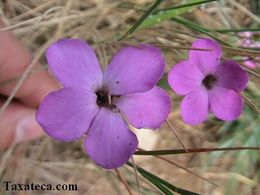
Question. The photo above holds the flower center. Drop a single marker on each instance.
(104, 99)
(209, 81)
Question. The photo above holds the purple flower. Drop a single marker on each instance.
(208, 84)
(98, 104)
(247, 40)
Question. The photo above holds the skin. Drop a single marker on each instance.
(17, 123)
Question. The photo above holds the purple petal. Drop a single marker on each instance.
(206, 61)
(231, 76)
(184, 78)
(145, 110)
(134, 69)
(226, 104)
(195, 107)
(110, 143)
(251, 64)
(66, 114)
(74, 64)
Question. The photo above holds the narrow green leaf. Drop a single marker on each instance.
(168, 13)
(164, 83)
(161, 187)
(191, 150)
(237, 30)
(198, 28)
(156, 179)
(193, 3)
(141, 20)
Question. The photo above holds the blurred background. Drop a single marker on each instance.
(101, 23)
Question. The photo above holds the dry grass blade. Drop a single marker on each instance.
(124, 182)
(182, 167)
(5, 158)
(127, 43)
(251, 71)
(177, 136)
(136, 175)
(184, 48)
(186, 169)
(34, 11)
(245, 10)
(141, 20)
(60, 27)
(251, 103)
(242, 51)
(191, 150)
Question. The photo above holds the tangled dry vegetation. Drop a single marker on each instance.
(100, 22)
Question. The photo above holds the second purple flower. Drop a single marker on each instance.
(209, 85)
(100, 104)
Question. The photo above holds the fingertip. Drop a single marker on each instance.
(18, 124)
(36, 87)
(27, 129)
(14, 59)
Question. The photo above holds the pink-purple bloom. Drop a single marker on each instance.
(208, 84)
(248, 41)
(99, 105)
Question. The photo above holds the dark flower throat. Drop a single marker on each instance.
(104, 99)
(209, 81)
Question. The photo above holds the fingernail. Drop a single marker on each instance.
(27, 129)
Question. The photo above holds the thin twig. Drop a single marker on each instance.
(154, 189)
(33, 11)
(5, 158)
(136, 175)
(181, 167)
(177, 136)
(246, 11)
(241, 51)
(250, 103)
(161, 46)
(186, 169)
(251, 71)
(60, 27)
(124, 182)
(190, 150)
